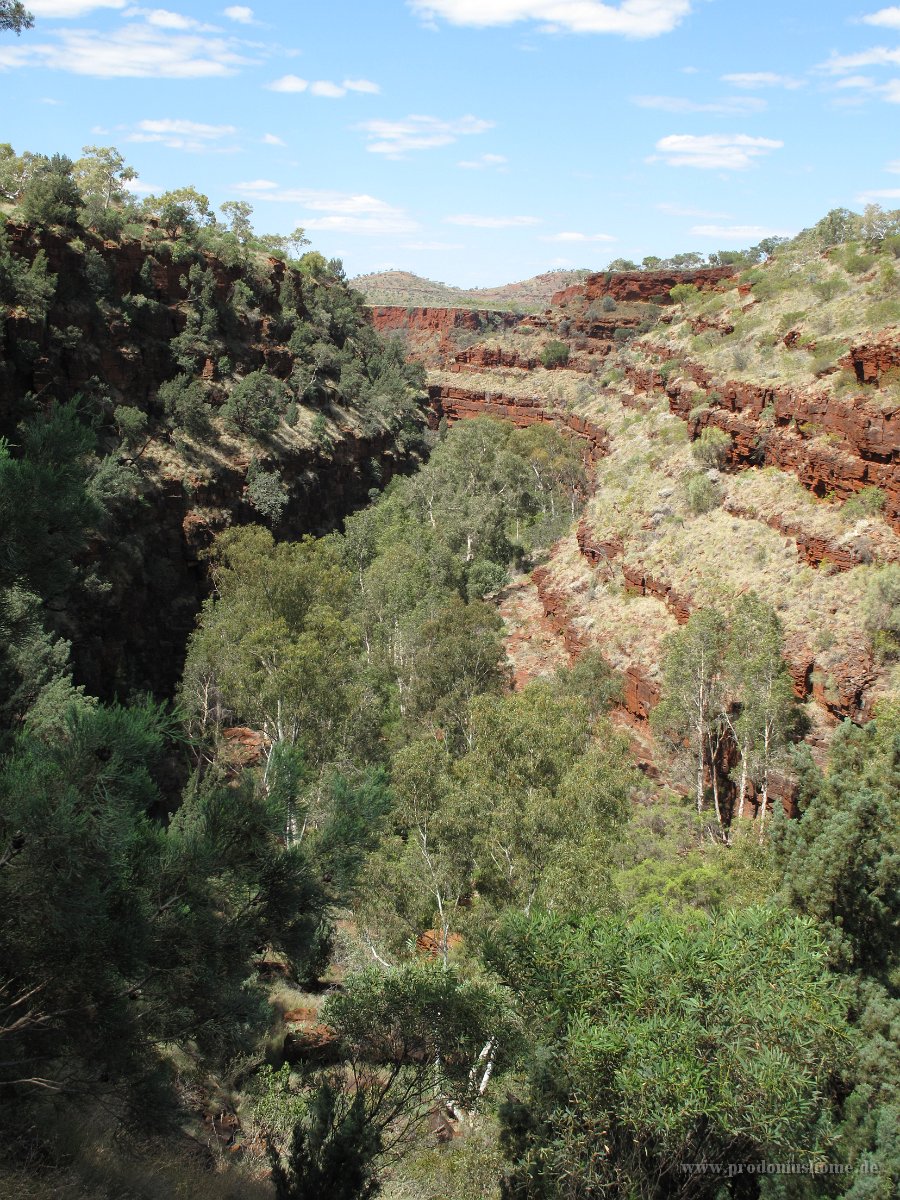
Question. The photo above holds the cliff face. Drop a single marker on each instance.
(107, 334)
(630, 286)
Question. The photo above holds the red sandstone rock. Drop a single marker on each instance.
(872, 360)
(642, 285)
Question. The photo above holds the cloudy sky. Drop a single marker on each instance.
(479, 141)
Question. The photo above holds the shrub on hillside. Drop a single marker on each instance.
(868, 502)
(255, 404)
(881, 612)
(266, 492)
(184, 406)
(555, 354)
(701, 494)
(712, 447)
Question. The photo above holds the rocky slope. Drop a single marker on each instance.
(645, 376)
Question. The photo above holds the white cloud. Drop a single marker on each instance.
(396, 138)
(738, 233)
(288, 83)
(571, 236)
(362, 85)
(138, 188)
(856, 81)
(485, 162)
(69, 8)
(734, 106)
(271, 139)
(477, 222)
(677, 210)
(631, 18)
(345, 212)
(891, 91)
(179, 134)
(137, 51)
(163, 18)
(878, 56)
(761, 79)
(324, 87)
(894, 167)
(239, 13)
(878, 194)
(713, 152)
(889, 18)
(318, 200)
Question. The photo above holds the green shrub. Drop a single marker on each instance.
(131, 423)
(319, 431)
(827, 289)
(184, 405)
(96, 273)
(266, 492)
(868, 502)
(555, 354)
(701, 494)
(712, 447)
(255, 404)
(681, 293)
(484, 576)
(881, 612)
(856, 262)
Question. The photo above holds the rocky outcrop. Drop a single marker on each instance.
(831, 443)
(652, 286)
(456, 404)
(486, 358)
(117, 325)
(596, 551)
(395, 319)
(870, 361)
(843, 554)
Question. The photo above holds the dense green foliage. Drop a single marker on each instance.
(663, 1043)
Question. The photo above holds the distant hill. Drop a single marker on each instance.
(412, 291)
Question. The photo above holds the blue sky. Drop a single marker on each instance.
(479, 141)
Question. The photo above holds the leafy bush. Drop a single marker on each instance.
(131, 423)
(701, 494)
(255, 404)
(827, 289)
(266, 492)
(184, 405)
(712, 447)
(484, 576)
(555, 354)
(96, 273)
(881, 612)
(681, 293)
(868, 502)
